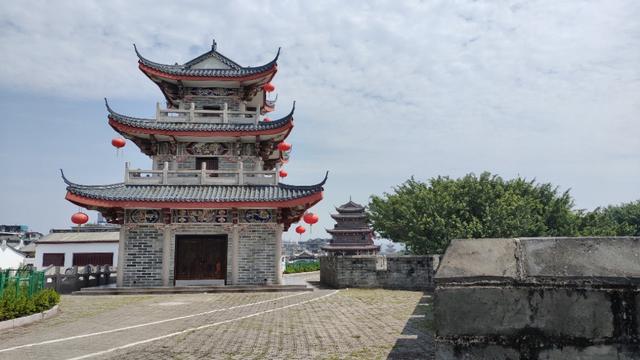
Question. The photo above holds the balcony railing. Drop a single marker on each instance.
(200, 177)
(223, 116)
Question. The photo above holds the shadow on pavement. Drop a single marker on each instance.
(416, 341)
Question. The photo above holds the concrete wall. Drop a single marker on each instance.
(377, 271)
(539, 298)
(68, 249)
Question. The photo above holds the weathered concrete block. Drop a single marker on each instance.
(449, 351)
(475, 259)
(486, 311)
(596, 352)
(544, 298)
(610, 260)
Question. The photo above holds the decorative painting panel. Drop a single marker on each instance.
(257, 216)
(143, 216)
(219, 216)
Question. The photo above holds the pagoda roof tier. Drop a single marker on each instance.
(349, 216)
(350, 207)
(350, 247)
(188, 71)
(111, 200)
(349, 231)
(192, 196)
(133, 126)
(209, 70)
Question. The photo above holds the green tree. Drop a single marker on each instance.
(427, 216)
(613, 220)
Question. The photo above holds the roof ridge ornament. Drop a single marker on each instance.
(214, 45)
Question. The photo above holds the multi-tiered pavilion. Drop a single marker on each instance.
(212, 209)
(351, 234)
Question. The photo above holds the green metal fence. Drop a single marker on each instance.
(25, 281)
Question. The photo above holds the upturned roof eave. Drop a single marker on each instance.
(132, 125)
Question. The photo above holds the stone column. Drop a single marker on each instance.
(121, 254)
(278, 254)
(235, 243)
(166, 255)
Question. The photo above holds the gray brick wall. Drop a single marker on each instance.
(142, 256)
(256, 255)
(377, 271)
(143, 252)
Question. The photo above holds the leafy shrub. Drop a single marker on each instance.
(302, 267)
(15, 303)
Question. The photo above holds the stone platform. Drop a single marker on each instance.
(190, 289)
(539, 298)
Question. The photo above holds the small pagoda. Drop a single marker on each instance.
(351, 235)
(211, 209)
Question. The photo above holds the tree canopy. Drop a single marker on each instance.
(427, 216)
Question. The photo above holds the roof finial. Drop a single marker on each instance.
(214, 44)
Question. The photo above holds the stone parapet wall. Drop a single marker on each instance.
(377, 271)
(539, 298)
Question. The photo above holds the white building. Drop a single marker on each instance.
(71, 247)
(10, 258)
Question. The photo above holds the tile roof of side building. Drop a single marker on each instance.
(81, 237)
(235, 70)
(153, 124)
(194, 193)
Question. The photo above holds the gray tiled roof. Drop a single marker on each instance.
(194, 193)
(195, 126)
(186, 70)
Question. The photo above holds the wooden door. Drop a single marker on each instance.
(201, 257)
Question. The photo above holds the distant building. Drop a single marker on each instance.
(91, 244)
(18, 236)
(351, 235)
(314, 246)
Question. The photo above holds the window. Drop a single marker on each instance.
(82, 259)
(211, 163)
(52, 259)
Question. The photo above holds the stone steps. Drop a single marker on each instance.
(191, 290)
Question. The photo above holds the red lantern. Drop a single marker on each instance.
(79, 218)
(284, 146)
(269, 87)
(310, 218)
(118, 142)
(283, 173)
(300, 230)
(266, 119)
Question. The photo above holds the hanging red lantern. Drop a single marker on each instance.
(283, 173)
(266, 119)
(269, 87)
(284, 146)
(300, 230)
(79, 218)
(310, 218)
(118, 143)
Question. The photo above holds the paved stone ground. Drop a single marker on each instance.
(323, 324)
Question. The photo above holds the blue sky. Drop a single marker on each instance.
(385, 90)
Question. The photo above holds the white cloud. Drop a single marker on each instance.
(385, 90)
